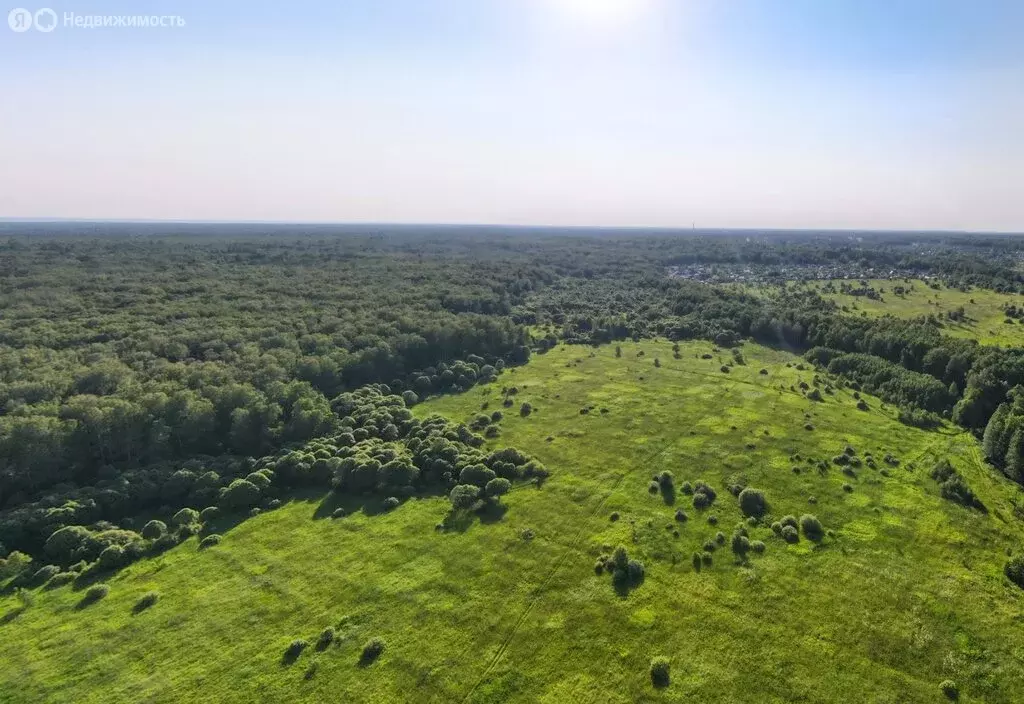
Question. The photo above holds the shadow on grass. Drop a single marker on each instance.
(668, 494)
(487, 513)
(13, 614)
(90, 598)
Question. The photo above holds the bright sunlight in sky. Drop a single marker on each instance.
(723, 113)
(606, 14)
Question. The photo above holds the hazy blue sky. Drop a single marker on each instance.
(758, 113)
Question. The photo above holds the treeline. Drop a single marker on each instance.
(377, 450)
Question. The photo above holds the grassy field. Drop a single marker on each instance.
(906, 593)
(986, 321)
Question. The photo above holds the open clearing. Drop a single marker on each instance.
(986, 320)
(908, 592)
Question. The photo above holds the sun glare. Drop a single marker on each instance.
(601, 12)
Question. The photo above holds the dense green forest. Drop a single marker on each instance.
(149, 369)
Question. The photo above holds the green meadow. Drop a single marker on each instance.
(986, 322)
(906, 591)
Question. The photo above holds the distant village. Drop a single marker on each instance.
(777, 273)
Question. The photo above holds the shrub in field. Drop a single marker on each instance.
(154, 530)
(752, 502)
(789, 521)
(390, 503)
(686, 488)
(112, 557)
(720, 538)
(812, 528)
(325, 639)
(148, 600)
(660, 671)
(209, 541)
(681, 516)
(740, 545)
(757, 546)
(209, 514)
(294, 649)
(94, 594)
(696, 561)
(1014, 570)
(950, 689)
(703, 495)
(790, 534)
(371, 651)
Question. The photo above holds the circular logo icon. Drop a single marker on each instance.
(46, 20)
(19, 19)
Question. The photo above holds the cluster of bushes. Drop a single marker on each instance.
(703, 495)
(380, 449)
(626, 573)
(954, 487)
(788, 528)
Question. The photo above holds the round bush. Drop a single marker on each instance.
(752, 502)
(790, 534)
(59, 579)
(720, 538)
(185, 517)
(95, 593)
(112, 557)
(949, 688)
(653, 488)
(713, 520)
(740, 544)
(614, 517)
(209, 541)
(209, 514)
(154, 530)
(789, 521)
(709, 546)
(660, 671)
(390, 503)
(686, 488)
(757, 546)
(681, 516)
(696, 561)
(812, 528)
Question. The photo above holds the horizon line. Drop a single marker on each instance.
(492, 225)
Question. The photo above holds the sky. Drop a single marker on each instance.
(885, 114)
